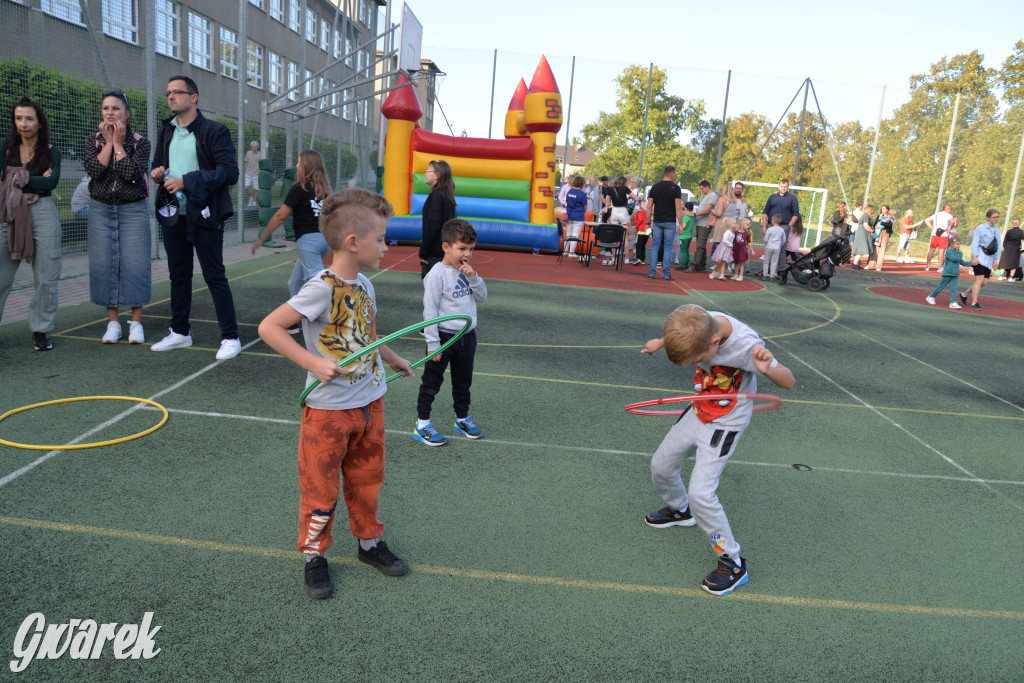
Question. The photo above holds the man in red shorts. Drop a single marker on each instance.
(939, 223)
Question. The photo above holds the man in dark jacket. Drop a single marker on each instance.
(195, 156)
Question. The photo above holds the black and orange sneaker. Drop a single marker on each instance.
(726, 577)
(668, 516)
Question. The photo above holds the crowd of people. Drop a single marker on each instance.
(719, 228)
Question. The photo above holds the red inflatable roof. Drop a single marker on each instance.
(519, 97)
(402, 104)
(543, 79)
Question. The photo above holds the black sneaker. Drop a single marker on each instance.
(41, 341)
(318, 579)
(381, 557)
(975, 306)
(963, 298)
(666, 517)
(726, 577)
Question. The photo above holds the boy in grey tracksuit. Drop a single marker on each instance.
(728, 355)
(451, 286)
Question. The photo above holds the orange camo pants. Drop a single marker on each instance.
(349, 443)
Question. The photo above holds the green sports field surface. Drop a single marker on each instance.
(892, 552)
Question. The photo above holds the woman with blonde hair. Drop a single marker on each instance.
(307, 193)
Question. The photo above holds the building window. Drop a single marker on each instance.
(121, 20)
(346, 110)
(334, 99)
(348, 51)
(200, 41)
(311, 26)
(293, 79)
(365, 9)
(274, 73)
(254, 64)
(68, 10)
(366, 112)
(336, 48)
(256, 3)
(228, 53)
(277, 10)
(321, 85)
(168, 21)
(325, 35)
(429, 114)
(293, 15)
(307, 87)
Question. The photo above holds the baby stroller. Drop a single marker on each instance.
(816, 268)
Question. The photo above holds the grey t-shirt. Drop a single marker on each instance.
(733, 355)
(710, 198)
(340, 317)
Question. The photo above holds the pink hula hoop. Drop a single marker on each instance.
(772, 402)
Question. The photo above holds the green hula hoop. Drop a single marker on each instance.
(395, 335)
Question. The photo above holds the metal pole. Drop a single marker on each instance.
(647, 108)
(243, 78)
(494, 75)
(874, 147)
(150, 11)
(1013, 188)
(381, 121)
(949, 146)
(568, 113)
(721, 133)
(821, 216)
(828, 142)
(800, 136)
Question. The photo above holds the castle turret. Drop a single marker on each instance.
(542, 115)
(402, 110)
(515, 127)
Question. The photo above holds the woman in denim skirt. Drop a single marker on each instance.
(118, 234)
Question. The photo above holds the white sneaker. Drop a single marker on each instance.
(173, 341)
(135, 335)
(229, 348)
(113, 332)
(909, 260)
(930, 300)
(899, 259)
(955, 305)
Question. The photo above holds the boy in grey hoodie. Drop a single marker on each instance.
(451, 286)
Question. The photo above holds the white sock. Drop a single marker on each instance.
(370, 544)
(421, 424)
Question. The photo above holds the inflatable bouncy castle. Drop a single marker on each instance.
(505, 188)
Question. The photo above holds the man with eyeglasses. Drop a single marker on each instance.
(195, 156)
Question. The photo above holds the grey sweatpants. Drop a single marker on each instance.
(713, 447)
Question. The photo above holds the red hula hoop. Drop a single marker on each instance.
(773, 402)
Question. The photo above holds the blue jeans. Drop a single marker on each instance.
(119, 248)
(46, 264)
(662, 234)
(311, 249)
(208, 246)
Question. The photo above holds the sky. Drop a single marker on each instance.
(770, 47)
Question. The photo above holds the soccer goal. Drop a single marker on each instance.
(819, 200)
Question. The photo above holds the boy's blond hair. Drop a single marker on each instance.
(350, 212)
(688, 332)
(777, 218)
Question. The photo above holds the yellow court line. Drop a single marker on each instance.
(810, 329)
(64, 334)
(915, 610)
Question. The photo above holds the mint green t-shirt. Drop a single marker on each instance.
(181, 153)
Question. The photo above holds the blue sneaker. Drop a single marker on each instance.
(428, 435)
(467, 428)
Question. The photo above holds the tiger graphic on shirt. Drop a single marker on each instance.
(721, 380)
(352, 326)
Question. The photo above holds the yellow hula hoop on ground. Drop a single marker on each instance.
(78, 446)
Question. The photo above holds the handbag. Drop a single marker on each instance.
(913, 234)
(992, 247)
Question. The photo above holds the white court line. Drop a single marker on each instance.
(970, 475)
(606, 451)
(902, 353)
(117, 418)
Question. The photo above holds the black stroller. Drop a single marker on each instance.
(816, 268)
